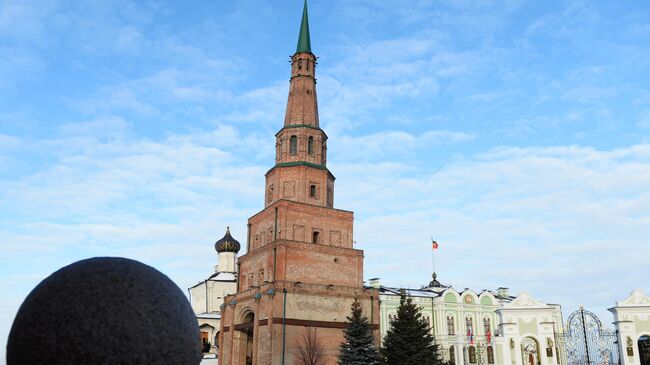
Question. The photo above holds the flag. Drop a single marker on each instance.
(489, 335)
(470, 335)
(434, 245)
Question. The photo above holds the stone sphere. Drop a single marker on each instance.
(105, 310)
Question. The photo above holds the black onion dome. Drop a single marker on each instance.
(227, 243)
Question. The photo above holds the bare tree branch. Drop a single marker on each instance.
(310, 351)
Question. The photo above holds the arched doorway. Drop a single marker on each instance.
(246, 336)
(530, 351)
(206, 338)
(644, 350)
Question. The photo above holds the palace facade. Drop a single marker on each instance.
(480, 327)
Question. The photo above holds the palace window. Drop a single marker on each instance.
(471, 351)
(490, 355)
(293, 145)
(452, 355)
(316, 237)
(469, 327)
(450, 326)
(310, 145)
(391, 318)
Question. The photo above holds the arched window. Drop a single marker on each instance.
(310, 145)
(452, 355)
(486, 326)
(471, 351)
(490, 355)
(450, 326)
(293, 145)
(469, 326)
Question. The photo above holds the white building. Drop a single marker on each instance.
(207, 296)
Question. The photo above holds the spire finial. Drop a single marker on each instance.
(304, 41)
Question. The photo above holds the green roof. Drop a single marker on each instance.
(304, 43)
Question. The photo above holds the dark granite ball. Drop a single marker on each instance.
(105, 310)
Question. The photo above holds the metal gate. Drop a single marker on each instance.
(586, 342)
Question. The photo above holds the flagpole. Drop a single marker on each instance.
(433, 256)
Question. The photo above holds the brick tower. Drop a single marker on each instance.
(300, 273)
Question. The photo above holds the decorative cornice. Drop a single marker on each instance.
(301, 163)
(301, 126)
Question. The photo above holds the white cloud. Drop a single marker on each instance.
(110, 126)
(548, 220)
(391, 145)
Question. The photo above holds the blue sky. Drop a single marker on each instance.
(515, 132)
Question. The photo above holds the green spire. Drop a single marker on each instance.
(304, 43)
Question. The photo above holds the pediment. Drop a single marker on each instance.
(525, 300)
(636, 298)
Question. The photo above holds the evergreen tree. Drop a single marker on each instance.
(409, 340)
(359, 345)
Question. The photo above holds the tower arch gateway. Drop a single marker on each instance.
(300, 269)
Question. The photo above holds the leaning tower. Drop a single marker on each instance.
(300, 273)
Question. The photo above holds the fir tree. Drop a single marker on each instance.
(409, 340)
(359, 345)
